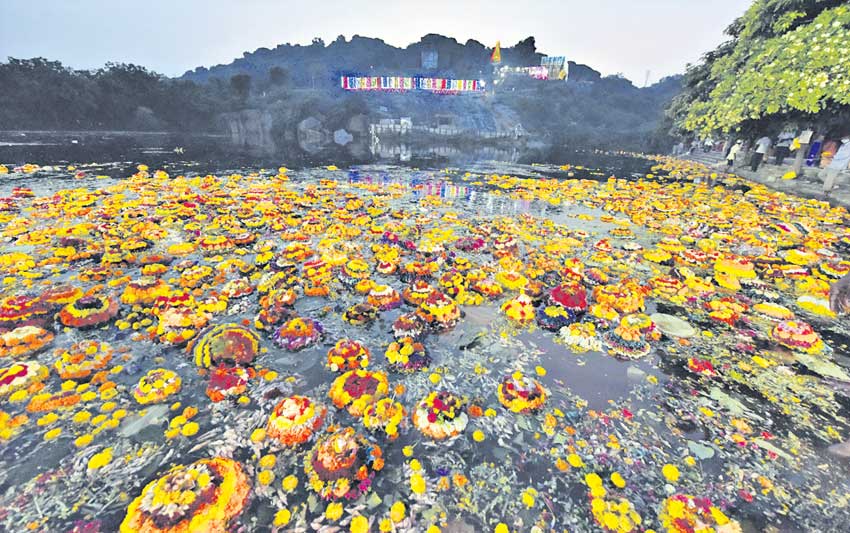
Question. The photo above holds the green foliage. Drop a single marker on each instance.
(788, 58)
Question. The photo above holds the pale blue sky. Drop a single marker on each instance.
(172, 36)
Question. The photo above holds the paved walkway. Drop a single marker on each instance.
(807, 185)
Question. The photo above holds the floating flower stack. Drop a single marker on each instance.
(298, 333)
(347, 355)
(521, 394)
(440, 415)
(407, 355)
(356, 389)
(342, 465)
(156, 386)
(294, 420)
(206, 495)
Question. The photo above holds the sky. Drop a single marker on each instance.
(629, 37)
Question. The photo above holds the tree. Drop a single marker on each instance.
(788, 61)
(241, 85)
(279, 76)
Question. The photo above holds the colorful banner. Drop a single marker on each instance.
(409, 83)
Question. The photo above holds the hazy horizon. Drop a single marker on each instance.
(173, 38)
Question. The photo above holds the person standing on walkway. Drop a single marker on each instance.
(783, 146)
(762, 146)
(840, 162)
(733, 153)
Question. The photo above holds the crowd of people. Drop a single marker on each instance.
(830, 155)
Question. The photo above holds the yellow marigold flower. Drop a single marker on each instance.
(478, 435)
(435, 378)
(540, 370)
(618, 480)
(385, 525)
(333, 511)
(258, 435)
(575, 461)
(282, 517)
(53, 433)
(265, 477)
(99, 460)
(289, 483)
(415, 465)
(189, 429)
(83, 440)
(397, 512)
(432, 529)
(359, 524)
(501, 528)
(417, 484)
(268, 461)
(671, 472)
(407, 451)
(490, 412)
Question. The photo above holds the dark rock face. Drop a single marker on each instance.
(251, 129)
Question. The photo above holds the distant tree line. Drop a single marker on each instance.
(42, 94)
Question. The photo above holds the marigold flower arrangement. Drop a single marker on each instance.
(580, 337)
(156, 386)
(179, 324)
(511, 280)
(89, 312)
(346, 355)
(627, 342)
(408, 325)
(625, 297)
(504, 245)
(225, 344)
(61, 295)
(407, 355)
(772, 312)
(555, 317)
(23, 310)
(521, 394)
(195, 276)
(683, 513)
(439, 311)
(144, 291)
(228, 382)
(355, 270)
(740, 267)
(82, 359)
(384, 297)
(571, 296)
(360, 314)
(488, 288)
(21, 375)
(298, 333)
(356, 389)
(797, 335)
(385, 415)
(342, 465)
(295, 419)
(206, 495)
(417, 292)
(24, 341)
(519, 309)
(440, 415)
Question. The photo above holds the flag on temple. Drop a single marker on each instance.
(496, 56)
